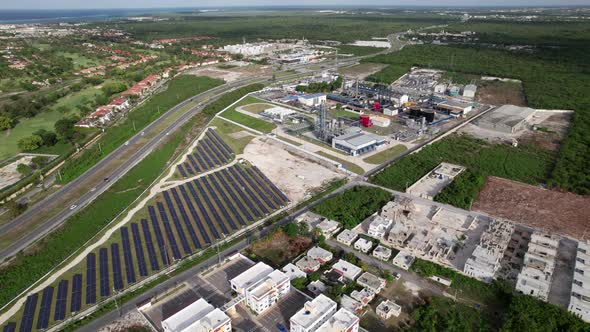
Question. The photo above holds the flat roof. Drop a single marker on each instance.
(347, 235)
(358, 138)
(252, 275)
(293, 271)
(340, 321)
(271, 281)
(318, 252)
(211, 321)
(313, 310)
(189, 315)
(347, 268)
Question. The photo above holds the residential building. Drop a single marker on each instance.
(363, 245)
(198, 316)
(347, 237)
(383, 253)
(351, 304)
(485, 259)
(293, 271)
(313, 314)
(308, 264)
(580, 297)
(379, 227)
(371, 282)
(539, 262)
(320, 254)
(316, 287)
(250, 277)
(119, 104)
(347, 270)
(364, 296)
(342, 321)
(261, 286)
(403, 259)
(328, 227)
(399, 234)
(388, 308)
(357, 142)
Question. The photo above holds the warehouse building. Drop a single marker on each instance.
(580, 296)
(469, 90)
(356, 142)
(506, 119)
(454, 108)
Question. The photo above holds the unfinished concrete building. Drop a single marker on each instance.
(506, 119)
(539, 262)
(485, 259)
(580, 296)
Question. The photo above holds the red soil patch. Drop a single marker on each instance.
(552, 211)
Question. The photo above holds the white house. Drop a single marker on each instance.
(403, 259)
(261, 286)
(580, 295)
(371, 282)
(293, 271)
(328, 227)
(388, 308)
(308, 264)
(342, 320)
(313, 314)
(383, 253)
(347, 237)
(347, 270)
(364, 296)
(320, 254)
(363, 245)
(379, 227)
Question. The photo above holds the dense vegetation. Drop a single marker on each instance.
(482, 159)
(444, 315)
(179, 89)
(320, 86)
(552, 78)
(353, 206)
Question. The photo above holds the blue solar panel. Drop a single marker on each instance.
(250, 193)
(91, 278)
(193, 213)
(217, 150)
(258, 182)
(149, 245)
(218, 146)
(187, 221)
(221, 141)
(76, 303)
(203, 155)
(26, 323)
(10, 327)
(260, 193)
(201, 207)
(45, 309)
(210, 206)
(116, 263)
(177, 226)
(237, 191)
(139, 250)
(207, 148)
(227, 201)
(219, 203)
(159, 237)
(181, 170)
(170, 235)
(192, 163)
(128, 258)
(103, 264)
(263, 177)
(61, 301)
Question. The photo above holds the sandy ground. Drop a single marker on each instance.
(9, 174)
(231, 74)
(361, 71)
(551, 211)
(132, 319)
(295, 175)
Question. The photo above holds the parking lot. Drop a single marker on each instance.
(220, 277)
(282, 311)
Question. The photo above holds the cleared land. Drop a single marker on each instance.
(500, 93)
(553, 211)
(361, 71)
(385, 155)
(279, 249)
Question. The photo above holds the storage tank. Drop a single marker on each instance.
(366, 121)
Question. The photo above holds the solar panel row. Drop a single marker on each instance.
(272, 185)
(26, 323)
(202, 210)
(193, 212)
(269, 191)
(91, 278)
(103, 263)
(251, 183)
(138, 250)
(116, 263)
(227, 201)
(128, 258)
(147, 235)
(210, 152)
(210, 208)
(169, 234)
(220, 141)
(61, 301)
(236, 192)
(76, 303)
(186, 219)
(45, 309)
(248, 191)
(185, 246)
(219, 203)
(10, 327)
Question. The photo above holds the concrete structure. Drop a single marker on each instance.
(198, 316)
(371, 282)
(357, 142)
(440, 88)
(506, 119)
(293, 271)
(308, 264)
(329, 227)
(313, 314)
(435, 181)
(539, 262)
(342, 321)
(454, 108)
(469, 90)
(580, 297)
(399, 234)
(351, 304)
(320, 254)
(364, 296)
(312, 100)
(388, 308)
(363, 245)
(379, 227)
(316, 287)
(347, 270)
(261, 286)
(277, 113)
(390, 112)
(383, 253)
(347, 237)
(403, 260)
(380, 121)
(485, 259)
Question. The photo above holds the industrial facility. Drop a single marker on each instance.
(506, 119)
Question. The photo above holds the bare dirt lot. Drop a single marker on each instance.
(361, 71)
(500, 93)
(551, 131)
(294, 174)
(552, 211)
(279, 248)
(231, 74)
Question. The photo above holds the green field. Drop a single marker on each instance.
(385, 155)
(225, 130)
(347, 164)
(80, 61)
(248, 121)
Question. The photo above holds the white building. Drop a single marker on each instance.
(198, 316)
(387, 308)
(342, 321)
(539, 262)
(379, 227)
(381, 121)
(278, 113)
(364, 296)
(347, 237)
(383, 253)
(347, 270)
(308, 264)
(356, 142)
(261, 286)
(580, 296)
(371, 282)
(316, 287)
(469, 90)
(351, 304)
(403, 259)
(328, 227)
(293, 271)
(313, 314)
(312, 100)
(363, 245)
(320, 254)
(440, 88)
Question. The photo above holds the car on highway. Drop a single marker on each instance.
(73, 207)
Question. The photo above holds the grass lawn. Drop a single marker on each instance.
(385, 155)
(347, 164)
(248, 121)
(80, 61)
(84, 96)
(257, 108)
(345, 114)
(225, 129)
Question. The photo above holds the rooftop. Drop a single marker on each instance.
(342, 320)
(189, 315)
(358, 138)
(293, 271)
(313, 310)
(371, 281)
(252, 275)
(319, 253)
(347, 235)
(347, 269)
(271, 281)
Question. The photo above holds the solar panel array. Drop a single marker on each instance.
(211, 152)
(183, 220)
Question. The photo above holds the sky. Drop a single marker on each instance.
(78, 4)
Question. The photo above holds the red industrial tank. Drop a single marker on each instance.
(366, 121)
(376, 106)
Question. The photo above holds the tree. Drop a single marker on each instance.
(386, 274)
(39, 161)
(30, 143)
(335, 292)
(110, 89)
(315, 276)
(65, 128)
(15, 208)
(24, 169)
(49, 137)
(299, 283)
(5, 122)
(291, 230)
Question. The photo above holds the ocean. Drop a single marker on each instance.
(49, 16)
